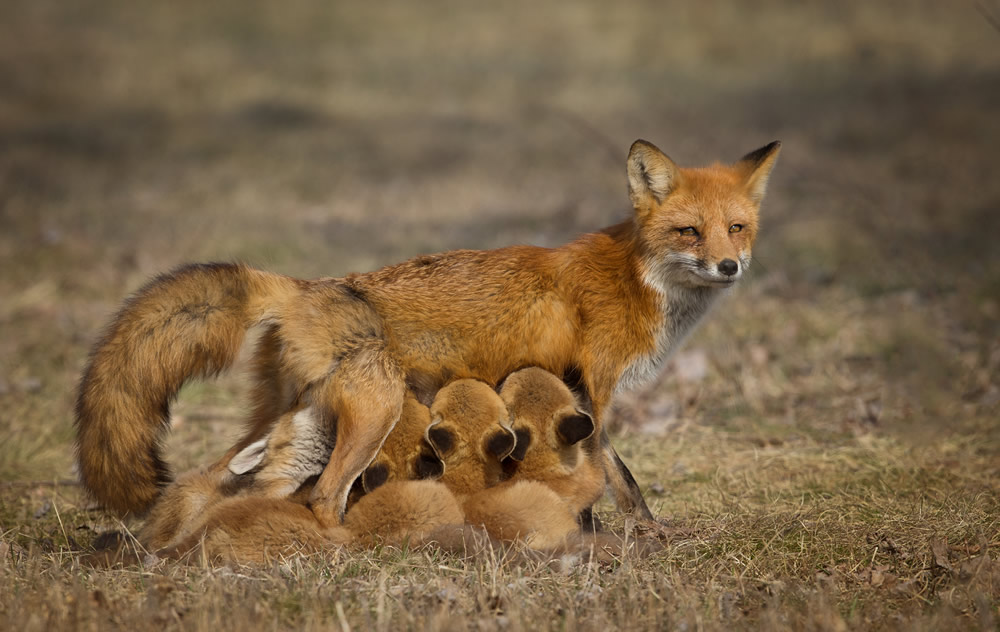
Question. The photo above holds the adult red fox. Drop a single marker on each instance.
(604, 311)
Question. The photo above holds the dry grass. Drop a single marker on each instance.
(825, 452)
(869, 532)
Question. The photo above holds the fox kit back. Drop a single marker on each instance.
(180, 508)
(255, 530)
(274, 467)
(402, 510)
(522, 510)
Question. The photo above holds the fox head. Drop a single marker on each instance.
(470, 431)
(696, 226)
(549, 424)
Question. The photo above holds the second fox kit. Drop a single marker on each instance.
(551, 430)
(605, 311)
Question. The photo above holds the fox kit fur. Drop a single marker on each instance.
(471, 433)
(405, 455)
(604, 311)
(523, 510)
(254, 530)
(278, 466)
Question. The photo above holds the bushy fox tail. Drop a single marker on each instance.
(188, 323)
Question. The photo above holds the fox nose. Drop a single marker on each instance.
(728, 267)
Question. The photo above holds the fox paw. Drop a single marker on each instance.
(662, 530)
(327, 513)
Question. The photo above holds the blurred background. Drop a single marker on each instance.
(319, 138)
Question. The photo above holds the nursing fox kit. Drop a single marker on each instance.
(604, 312)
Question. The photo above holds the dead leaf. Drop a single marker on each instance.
(939, 547)
(887, 545)
(910, 586)
(879, 576)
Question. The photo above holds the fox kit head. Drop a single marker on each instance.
(696, 225)
(296, 450)
(470, 431)
(405, 455)
(548, 422)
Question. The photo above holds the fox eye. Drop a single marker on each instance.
(689, 231)
(735, 228)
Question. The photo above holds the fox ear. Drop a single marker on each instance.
(650, 174)
(757, 167)
(441, 438)
(428, 466)
(575, 428)
(249, 457)
(522, 444)
(374, 476)
(499, 444)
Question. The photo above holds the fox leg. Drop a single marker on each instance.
(618, 479)
(271, 395)
(365, 398)
(589, 523)
(625, 491)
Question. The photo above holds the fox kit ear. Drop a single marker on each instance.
(575, 428)
(249, 457)
(522, 443)
(757, 166)
(374, 476)
(650, 174)
(499, 444)
(428, 466)
(441, 438)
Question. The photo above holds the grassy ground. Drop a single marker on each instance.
(824, 453)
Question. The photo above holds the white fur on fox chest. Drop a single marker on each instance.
(680, 310)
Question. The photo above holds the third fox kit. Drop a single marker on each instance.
(604, 311)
